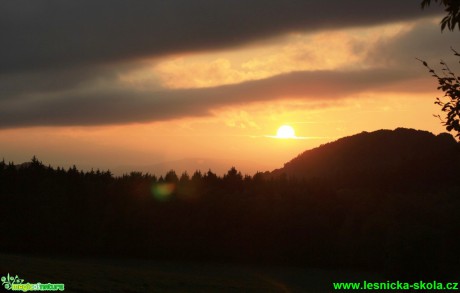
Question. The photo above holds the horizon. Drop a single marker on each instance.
(124, 93)
(191, 165)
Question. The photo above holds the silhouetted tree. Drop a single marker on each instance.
(171, 177)
(184, 178)
(233, 180)
(210, 178)
(197, 177)
(263, 219)
(453, 13)
(449, 83)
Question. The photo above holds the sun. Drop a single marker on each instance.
(285, 131)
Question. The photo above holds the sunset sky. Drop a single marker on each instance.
(135, 85)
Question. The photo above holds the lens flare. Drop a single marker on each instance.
(163, 191)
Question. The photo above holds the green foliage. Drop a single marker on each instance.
(452, 8)
(449, 83)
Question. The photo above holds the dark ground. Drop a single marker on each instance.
(130, 275)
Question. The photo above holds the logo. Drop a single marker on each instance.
(17, 284)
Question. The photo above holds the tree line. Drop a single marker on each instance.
(231, 218)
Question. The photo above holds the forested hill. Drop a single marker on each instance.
(386, 201)
(384, 158)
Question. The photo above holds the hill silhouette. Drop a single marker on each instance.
(385, 201)
(400, 158)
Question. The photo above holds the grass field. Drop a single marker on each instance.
(130, 276)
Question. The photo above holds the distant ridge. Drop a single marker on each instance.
(384, 158)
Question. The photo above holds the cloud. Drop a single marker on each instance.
(61, 34)
(21, 85)
(297, 52)
(70, 62)
(241, 119)
(116, 106)
(422, 40)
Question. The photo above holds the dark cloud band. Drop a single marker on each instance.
(55, 53)
(61, 33)
(129, 106)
